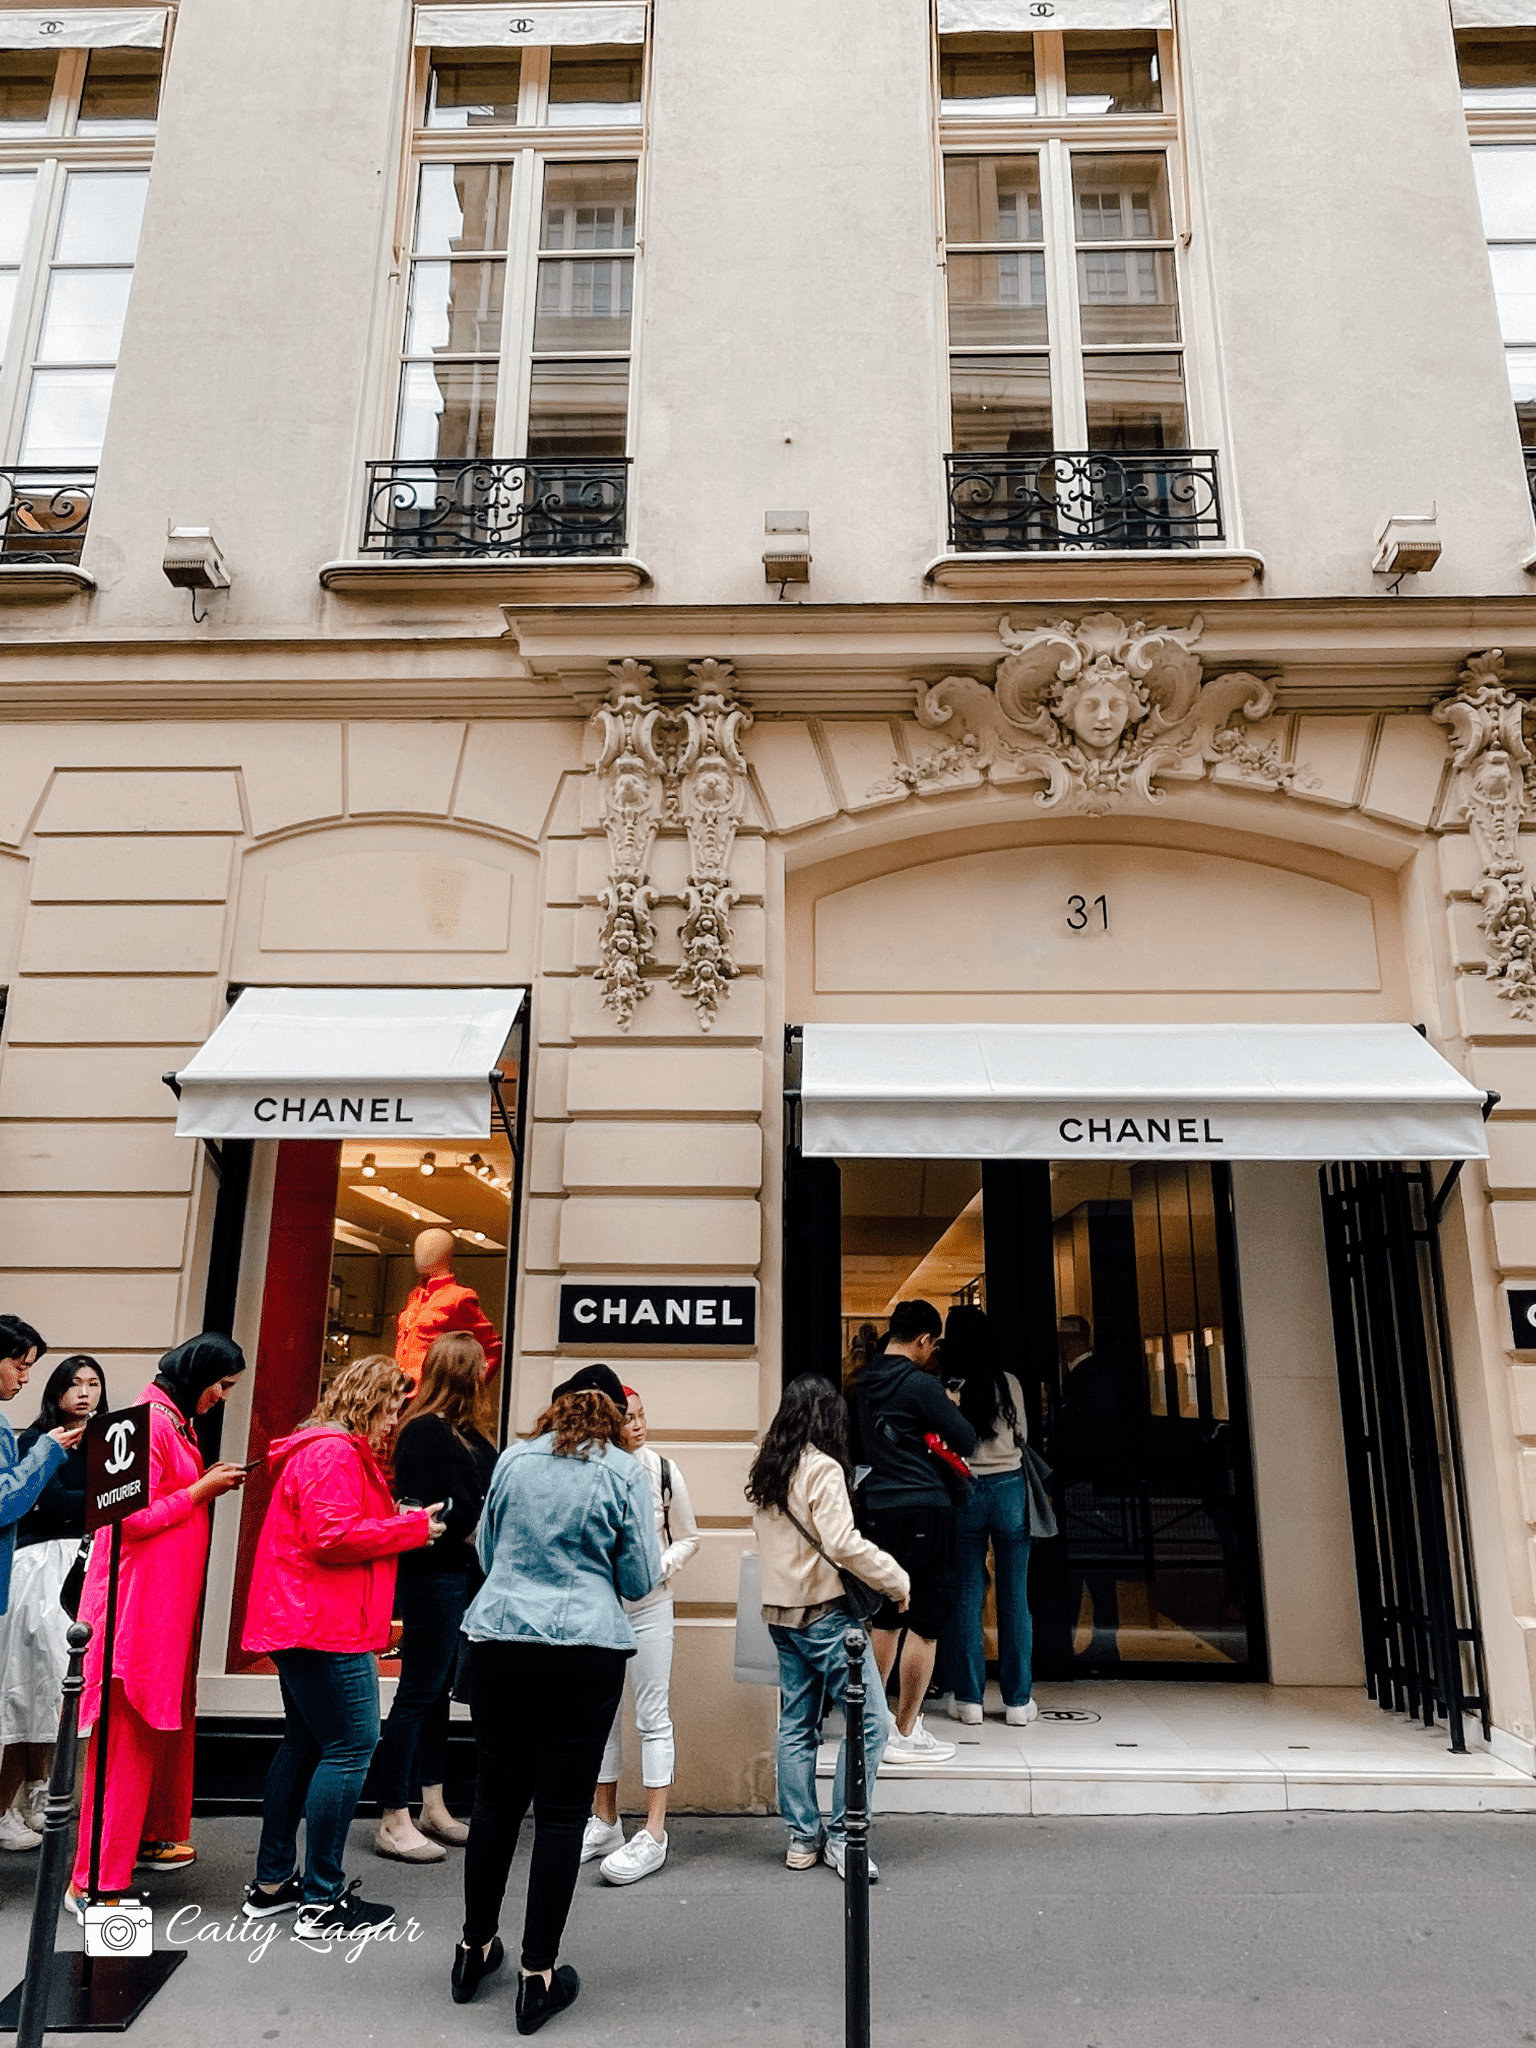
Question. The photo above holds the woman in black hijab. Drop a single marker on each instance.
(147, 1810)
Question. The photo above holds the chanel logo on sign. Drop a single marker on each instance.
(719, 1318)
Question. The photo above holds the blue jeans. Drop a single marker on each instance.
(995, 1511)
(415, 1745)
(331, 1699)
(813, 1665)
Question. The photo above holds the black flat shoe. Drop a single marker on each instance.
(470, 1965)
(538, 2001)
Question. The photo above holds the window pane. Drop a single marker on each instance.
(578, 409)
(997, 300)
(588, 206)
(473, 88)
(599, 84)
(1522, 388)
(1506, 185)
(992, 199)
(102, 213)
(1135, 401)
(987, 78)
(26, 88)
(7, 308)
(121, 92)
(83, 316)
(1113, 74)
(460, 207)
(1121, 199)
(1001, 404)
(583, 305)
(66, 416)
(1127, 295)
(1514, 285)
(446, 409)
(455, 307)
(1498, 69)
(16, 192)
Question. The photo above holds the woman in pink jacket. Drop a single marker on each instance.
(147, 1808)
(322, 1593)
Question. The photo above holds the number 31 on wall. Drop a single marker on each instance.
(1084, 916)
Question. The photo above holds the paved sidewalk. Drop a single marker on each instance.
(1243, 1931)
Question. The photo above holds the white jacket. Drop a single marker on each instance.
(685, 1530)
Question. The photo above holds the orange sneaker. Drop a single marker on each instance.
(164, 1855)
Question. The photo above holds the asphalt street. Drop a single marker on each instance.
(1243, 1931)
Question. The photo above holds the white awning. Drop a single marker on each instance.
(1493, 13)
(1020, 17)
(490, 28)
(84, 28)
(1133, 1091)
(349, 1063)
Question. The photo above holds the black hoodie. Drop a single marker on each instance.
(899, 1404)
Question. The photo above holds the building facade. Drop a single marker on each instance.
(814, 552)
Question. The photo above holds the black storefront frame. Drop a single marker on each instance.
(1021, 1303)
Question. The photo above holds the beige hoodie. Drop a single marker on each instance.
(794, 1576)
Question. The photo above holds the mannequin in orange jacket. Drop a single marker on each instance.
(438, 1304)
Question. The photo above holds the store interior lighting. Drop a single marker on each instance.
(428, 1165)
(400, 1205)
(370, 1166)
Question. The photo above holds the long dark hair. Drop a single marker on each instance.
(973, 1354)
(810, 1414)
(50, 1415)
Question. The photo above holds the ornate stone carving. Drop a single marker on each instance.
(1491, 759)
(632, 776)
(679, 768)
(1096, 710)
(711, 783)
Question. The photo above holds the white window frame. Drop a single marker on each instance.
(1494, 128)
(527, 146)
(52, 155)
(1055, 136)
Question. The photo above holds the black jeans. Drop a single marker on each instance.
(542, 1715)
(415, 1745)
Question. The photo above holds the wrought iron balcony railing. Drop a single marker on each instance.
(496, 507)
(1157, 498)
(44, 513)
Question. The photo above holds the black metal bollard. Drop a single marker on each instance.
(55, 1855)
(856, 1854)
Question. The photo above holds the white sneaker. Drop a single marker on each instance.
(1020, 1717)
(638, 1857)
(599, 1839)
(16, 1835)
(968, 1711)
(917, 1748)
(834, 1855)
(32, 1805)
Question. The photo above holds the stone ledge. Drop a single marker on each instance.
(530, 579)
(1111, 574)
(42, 582)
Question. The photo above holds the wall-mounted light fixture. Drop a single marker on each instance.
(787, 557)
(194, 561)
(1408, 544)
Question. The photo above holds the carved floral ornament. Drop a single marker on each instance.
(679, 767)
(1491, 762)
(1097, 711)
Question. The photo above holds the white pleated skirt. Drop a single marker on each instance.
(33, 1650)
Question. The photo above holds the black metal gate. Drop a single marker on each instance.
(1407, 1494)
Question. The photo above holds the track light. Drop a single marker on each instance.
(428, 1164)
(370, 1166)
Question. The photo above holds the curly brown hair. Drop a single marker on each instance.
(360, 1396)
(579, 1420)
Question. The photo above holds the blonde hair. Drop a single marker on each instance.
(361, 1394)
(452, 1383)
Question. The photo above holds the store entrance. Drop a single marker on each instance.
(1113, 1289)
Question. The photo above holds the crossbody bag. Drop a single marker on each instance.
(864, 1602)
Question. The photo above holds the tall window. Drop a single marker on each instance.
(78, 129)
(1070, 423)
(1498, 87)
(521, 290)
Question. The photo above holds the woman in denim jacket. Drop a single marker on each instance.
(569, 1531)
